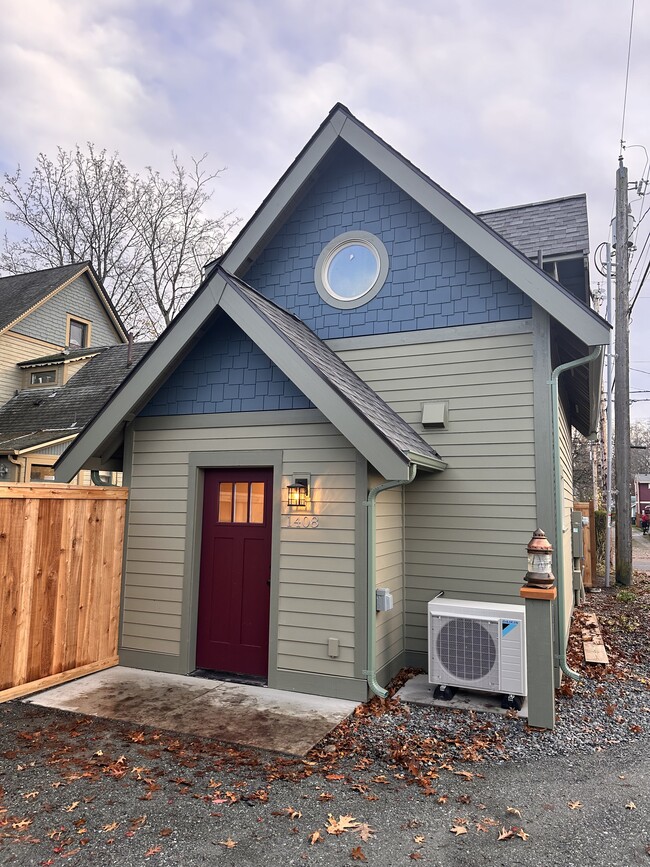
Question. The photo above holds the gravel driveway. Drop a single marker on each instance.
(392, 785)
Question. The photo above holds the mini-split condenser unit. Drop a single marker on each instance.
(477, 645)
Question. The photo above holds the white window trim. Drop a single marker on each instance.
(326, 256)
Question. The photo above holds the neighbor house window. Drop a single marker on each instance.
(351, 269)
(78, 333)
(42, 377)
(40, 473)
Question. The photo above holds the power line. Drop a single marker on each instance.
(627, 72)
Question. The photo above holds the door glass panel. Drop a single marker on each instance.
(257, 503)
(241, 502)
(225, 502)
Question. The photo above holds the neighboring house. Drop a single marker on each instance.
(52, 322)
(642, 496)
(38, 424)
(364, 328)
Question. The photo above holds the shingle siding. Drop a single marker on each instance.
(49, 321)
(225, 372)
(434, 279)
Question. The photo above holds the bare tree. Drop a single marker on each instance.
(146, 235)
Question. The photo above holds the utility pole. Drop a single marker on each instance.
(622, 377)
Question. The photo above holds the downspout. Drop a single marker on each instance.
(22, 465)
(96, 479)
(557, 470)
(371, 504)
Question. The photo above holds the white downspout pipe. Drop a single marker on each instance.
(371, 504)
(562, 632)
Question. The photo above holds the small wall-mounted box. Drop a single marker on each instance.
(434, 414)
(384, 599)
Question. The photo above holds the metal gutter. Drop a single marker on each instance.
(371, 504)
(557, 471)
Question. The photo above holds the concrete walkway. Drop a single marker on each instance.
(271, 719)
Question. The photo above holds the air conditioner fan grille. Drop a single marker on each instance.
(466, 649)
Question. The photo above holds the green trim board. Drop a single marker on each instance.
(361, 568)
(433, 335)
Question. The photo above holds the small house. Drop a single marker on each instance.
(356, 399)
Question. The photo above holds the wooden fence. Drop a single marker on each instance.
(589, 541)
(60, 574)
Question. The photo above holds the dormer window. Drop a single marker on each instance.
(78, 333)
(42, 377)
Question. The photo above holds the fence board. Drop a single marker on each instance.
(589, 541)
(61, 570)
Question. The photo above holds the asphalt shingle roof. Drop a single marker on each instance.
(336, 373)
(40, 415)
(555, 227)
(20, 292)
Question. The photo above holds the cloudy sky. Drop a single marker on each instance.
(500, 101)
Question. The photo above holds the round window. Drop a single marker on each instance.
(351, 269)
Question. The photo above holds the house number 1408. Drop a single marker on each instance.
(304, 522)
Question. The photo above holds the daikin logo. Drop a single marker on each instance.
(507, 626)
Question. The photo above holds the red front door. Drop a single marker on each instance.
(235, 583)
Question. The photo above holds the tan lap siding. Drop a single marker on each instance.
(566, 463)
(390, 571)
(466, 528)
(316, 564)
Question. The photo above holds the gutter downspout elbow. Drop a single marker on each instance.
(557, 474)
(371, 505)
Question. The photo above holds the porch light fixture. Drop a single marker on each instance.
(296, 495)
(540, 561)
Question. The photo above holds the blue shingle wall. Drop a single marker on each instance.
(434, 279)
(225, 372)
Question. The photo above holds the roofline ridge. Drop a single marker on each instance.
(532, 204)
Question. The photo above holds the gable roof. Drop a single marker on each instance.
(557, 227)
(335, 372)
(341, 125)
(372, 427)
(20, 294)
(41, 415)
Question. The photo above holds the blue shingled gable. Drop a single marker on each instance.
(225, 372)
(434, 279)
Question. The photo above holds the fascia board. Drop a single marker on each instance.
(518, 270)
(353, 426)
(280, 199)
(135, 390)
(45, 445)
(595, 380)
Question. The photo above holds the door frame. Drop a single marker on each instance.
(199, 462)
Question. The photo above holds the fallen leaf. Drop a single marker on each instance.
(154, 850)
(415, 856)
(327, 796)
(365, 831)
(113, 826)
(630, 806)
(28, 795)
(73, 806)
(316, 837)
(521, 833)
(229, 844)
(341, 825)
(506, 834)
(22, 823)
(418, 838)
(466, 774)
(458, 830)
(514, 810)
(165, 832)
(357, 854)
(575, 805)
